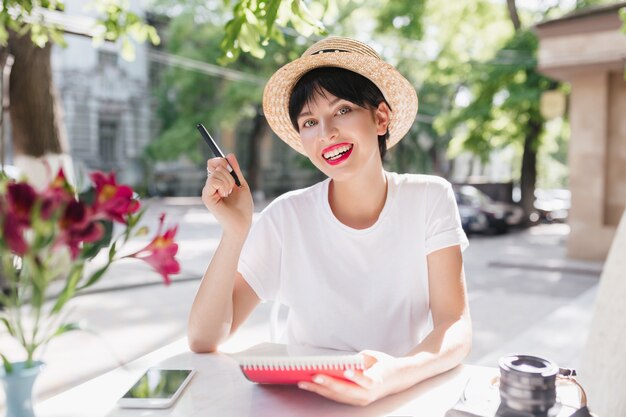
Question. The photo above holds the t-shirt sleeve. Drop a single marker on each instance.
(443, 222)
(260, 259)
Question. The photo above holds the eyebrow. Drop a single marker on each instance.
(307, 113)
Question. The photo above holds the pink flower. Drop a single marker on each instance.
(113, 200)
(160, 252)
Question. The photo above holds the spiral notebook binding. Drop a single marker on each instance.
(302, 363)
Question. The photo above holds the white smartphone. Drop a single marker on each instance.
(157, 388)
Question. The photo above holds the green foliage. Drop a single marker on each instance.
(22, 16)
(455, 38)
(255, 23)
(403, 17)
(119, 23)
(186, 97)
(116, 22)
(505, 92)
(622, 15)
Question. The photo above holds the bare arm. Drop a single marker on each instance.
(450, 340)
(224, 299)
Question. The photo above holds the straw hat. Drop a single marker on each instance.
(343, 53)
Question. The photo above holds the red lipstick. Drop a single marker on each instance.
(338, 153)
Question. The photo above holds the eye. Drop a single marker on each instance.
(308, 123)
(344, 110)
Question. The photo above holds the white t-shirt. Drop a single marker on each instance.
(352, 289)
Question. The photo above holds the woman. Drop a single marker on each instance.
(361, 259)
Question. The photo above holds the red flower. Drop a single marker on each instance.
(78, 227)
(58, 192)
(22, 198)
(160, 252)
(13, 234)
(113, 200)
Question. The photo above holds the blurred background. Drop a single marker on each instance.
(119, 85)
(521, 106)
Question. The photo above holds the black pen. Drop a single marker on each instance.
(216, 150)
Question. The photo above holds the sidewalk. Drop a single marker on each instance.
(525, 296)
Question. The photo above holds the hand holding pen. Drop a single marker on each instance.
(226, 193)
(216, 150)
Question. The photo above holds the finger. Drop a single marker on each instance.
(222, 181)
(369, 357)
(213, 163)
(358, 378)
(232, 160)
(336, 390)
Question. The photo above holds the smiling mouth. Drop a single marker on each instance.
(337, 153)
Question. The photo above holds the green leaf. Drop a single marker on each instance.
(300, 9)
(65, 328)
(251, 17)
(57, 37)
(249, 40)
(128, 50)
(142, 231)
(153, 35)
(4, 35)
(8, 368)
(8, 326)
(112, 251)
(90, 250)
(95, 277)
(70, 288)
(270, 16)
(133, 219)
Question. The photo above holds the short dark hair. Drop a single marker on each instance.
(342, 83)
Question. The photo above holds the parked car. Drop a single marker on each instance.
(472, 219)
(500, 216)
(552, 205)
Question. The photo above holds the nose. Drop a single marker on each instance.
(328, 131)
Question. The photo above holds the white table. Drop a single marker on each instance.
(220, 389)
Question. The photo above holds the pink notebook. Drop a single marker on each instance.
(271, 363)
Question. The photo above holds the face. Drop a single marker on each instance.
(340, 137)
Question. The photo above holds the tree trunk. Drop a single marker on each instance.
(4, 55)
(517, 25)
(528, 178)
(36, 122)
(39, 142)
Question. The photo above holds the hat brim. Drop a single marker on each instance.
(397, 90)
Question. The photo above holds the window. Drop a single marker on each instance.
(107, 58)
(107, 142)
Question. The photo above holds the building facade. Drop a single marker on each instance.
(588, 50)
(106, 101)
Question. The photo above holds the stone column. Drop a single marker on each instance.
(589, 238)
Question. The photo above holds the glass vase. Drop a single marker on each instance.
(18, 388)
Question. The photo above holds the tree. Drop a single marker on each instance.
(504, 109)
(37, 128)
(187, 97)
(455, 36)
